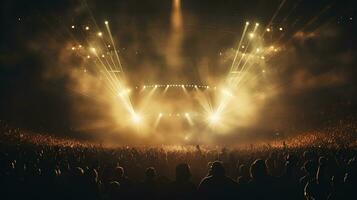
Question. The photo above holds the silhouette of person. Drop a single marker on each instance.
(261, 186)
(123, 180)
(243, 180)
(149, 187)
(217, 185)
(182, 187)
(320, 187)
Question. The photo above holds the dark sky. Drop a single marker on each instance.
(316, 74)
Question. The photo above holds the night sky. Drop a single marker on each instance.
(315, 74)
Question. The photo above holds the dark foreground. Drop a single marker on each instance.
(54, 172)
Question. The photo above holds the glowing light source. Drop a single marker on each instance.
(280, 29)
(87, 28)
(72, 26)
(256, 24)
(247, 23)
(136, 118)
(106, 22)
(268, 30)
(93, 50)
(214, 118)
(100, 34)
(251, 35)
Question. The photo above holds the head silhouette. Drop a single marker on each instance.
(243, 170)
(310, 167)
(150, 173)
(119, 172)
(217, 169)
(258, 169)
(183, 172)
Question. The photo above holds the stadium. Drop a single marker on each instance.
(178, 99)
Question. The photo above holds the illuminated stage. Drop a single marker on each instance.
(177, 111)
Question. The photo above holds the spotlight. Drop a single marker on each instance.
(186, 114)
(106, 22)
(251, 35)
(247, 23)
(72, 26)
(100, 34)
(280, 29)
(214, 118)
(268, 29)
(136, 118)
(256, 24)
(87, 28)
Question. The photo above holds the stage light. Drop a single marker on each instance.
(256, 24)
(88, 56)
(93, 50)
(73, 48)
(155, 86)
(100, 34)
(251, 35)
(247, 23)
(136, 118)
(280, 29)
(187, 114)
(72, 26)
(160, 114)
(214, 118)
(268, 29)
(87, 28)
(106, 22)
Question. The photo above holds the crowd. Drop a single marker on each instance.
(31, 171)
(65, 170)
